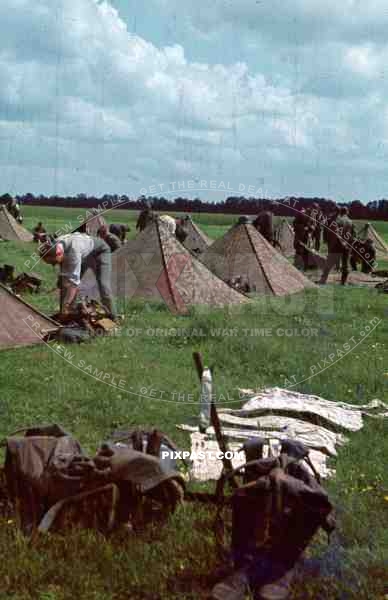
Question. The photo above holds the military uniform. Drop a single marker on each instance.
(301, 236)
(363, 252)
(144, 219)
(38, 231)
(264, 225)
(340, 235)
(316, 228)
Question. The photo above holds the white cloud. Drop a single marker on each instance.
(84, 98)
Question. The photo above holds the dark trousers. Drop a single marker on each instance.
(333, 258)
(317, 240)
(354, 261)
(301, 256)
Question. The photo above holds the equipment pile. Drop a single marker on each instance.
(25, 282)
(87, 319)
(53, 485)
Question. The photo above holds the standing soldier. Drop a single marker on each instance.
(38, 232)
(301, 227)
(75, 252)
(145, 217)
(316, 226)
(264, 223)
(340, 235)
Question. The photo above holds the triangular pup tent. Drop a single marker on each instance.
(243, 255)
(369, 232)
(196, 240)
(20, 323)
(10, 229)
(155, 266)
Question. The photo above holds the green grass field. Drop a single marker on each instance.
(174, 562)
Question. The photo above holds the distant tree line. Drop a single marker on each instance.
(376, 210)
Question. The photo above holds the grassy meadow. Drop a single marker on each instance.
(176, 561)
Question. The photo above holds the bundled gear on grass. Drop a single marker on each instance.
(7, 274)
(53, 485)
(85, 320)
(275, 513)
(24, 282)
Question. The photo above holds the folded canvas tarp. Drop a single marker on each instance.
(276, 414)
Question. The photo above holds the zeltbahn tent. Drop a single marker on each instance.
(284, 235)
(20, 323)
(369, 232)
(243, 254)
(196, 241)
(156, 266)
(10, 229)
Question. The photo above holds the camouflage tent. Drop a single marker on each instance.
(10, 229)
(155, 266)
(20, 323)
(369, 232)
(196, 240)
(243, 255)
(285, 237)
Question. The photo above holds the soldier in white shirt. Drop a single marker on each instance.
(75, 252)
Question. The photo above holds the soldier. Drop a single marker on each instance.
(110, 238)
(75, 252)
(180, 232)
(315, 215)
(38, 232)
(145, 217)
(363, 252)
(119, 231)
(13, 208)
(301, 227)
(340, 236)
(264, 223)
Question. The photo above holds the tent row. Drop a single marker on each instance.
(155, 265)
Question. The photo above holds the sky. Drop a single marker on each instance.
(266, 98)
